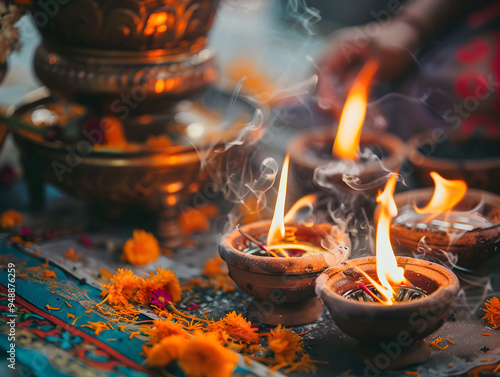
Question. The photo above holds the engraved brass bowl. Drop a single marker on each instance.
(94, 50)
(139, 178)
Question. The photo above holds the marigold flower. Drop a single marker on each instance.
(162, 279)
(235, 328)
(164, 329)
(193, 220)
(492, 312)
(160, 297)
(121, 288)
(285, 344)
(142, 249)
(166, 351)
(204, 356)
(10, 219)
(214, 266)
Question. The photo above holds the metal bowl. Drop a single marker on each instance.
(141, 177)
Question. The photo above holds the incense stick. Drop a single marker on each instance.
(368, 292)
(252, 239)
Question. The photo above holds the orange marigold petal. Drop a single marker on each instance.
(49, 274)
(10, 219)
(193, 220)
(166, 351)
(143, 248)
(204, 356)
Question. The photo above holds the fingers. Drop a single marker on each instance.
(330, 94)
(337, 67)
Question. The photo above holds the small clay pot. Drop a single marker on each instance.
(283, 287)
(403, 323)
(305, 158)
(477, 173)
(465, 249)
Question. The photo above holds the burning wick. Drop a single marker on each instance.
(387, 267)
(353, 114)
(277, 243)
(389, 274)
(277, 229)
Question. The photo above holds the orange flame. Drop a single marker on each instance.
(447, 193)
(276, 232)
(305, 201)
(353, 114)
(388, 271)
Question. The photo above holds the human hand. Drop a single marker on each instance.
(392, 45)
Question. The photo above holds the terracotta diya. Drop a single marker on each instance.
(388, 303)
(332, 161)
(452, 223)
(472, 158)
(281, 275)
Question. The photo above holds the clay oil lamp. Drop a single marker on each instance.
(388, 303)
(277, 262)
(473, 158)
(360, 159)
(455, 224)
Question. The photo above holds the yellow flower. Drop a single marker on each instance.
(121, 288)
(235, 328)
(163, 279)
(166, 351)
(142, 249)
(10, 219)
(204, 356)
(285, 344)
(492, 312)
